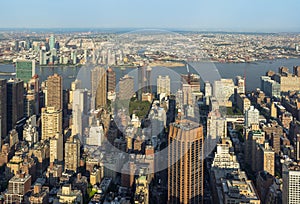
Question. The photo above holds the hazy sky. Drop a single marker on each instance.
(227, 15)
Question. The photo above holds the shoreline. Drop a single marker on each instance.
(162, 64)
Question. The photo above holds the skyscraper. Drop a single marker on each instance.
(126, 87)
(207, 92)
(111, 80)
(74, 85)
(43, 58)
(251, 116)
(3, 111)
(56, 148)
(291, 184)
(54, 92)
(15, 102)
(52, 42)
(190, 86)
(72, 154)
(141, 76)
(268, 155)
(163, 85)
(25, 69)
(51, 122)
(216, 129)
(99, 90)
(185, 161)
(148, 88)
(223, 90)
(32, 99)
(79, 112)
(240, 83)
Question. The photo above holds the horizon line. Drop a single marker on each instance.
(208, 30)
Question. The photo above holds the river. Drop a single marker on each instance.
(252, 71)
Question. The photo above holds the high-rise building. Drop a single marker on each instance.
(13, 138)
(57, 46)
(96, 135)
(56, 148)
(141, 80)
(72, 154)
(185, 161)
(52, 42)
(288, 82)
(25, 69)
(79, 112)
(126, 87)
(18, 186)
(148, 88)
(225, 157)
(51, 122)
(207, 92)
(99, 90)
(297, 147)
(3, 111)
(43, 57)
(32, 98)
(239, 82)
(141, 194)
(190, 86)
(30, 131)
(269, 86)
(74, 56)
(216, 129)
(111, 80)
(242, 102)
(163, 85)
(15, 102)
(251, 116)
(223, 90)
(54, 92)
(291, 184)
(17, 46)
(268, 158)
(74, 85)
(254, 148)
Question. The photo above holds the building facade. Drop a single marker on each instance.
(163, 85)
(185, 172)
(25, 69)
(3, 110)
(72, 154)
(251, 116)
(291, 185)
(15, 102)
(54, 92)
(51, 122)
(18, 186)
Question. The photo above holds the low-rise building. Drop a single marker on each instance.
(67, 195)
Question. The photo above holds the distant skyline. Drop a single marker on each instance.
(215, 15)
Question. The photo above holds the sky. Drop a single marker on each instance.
(211, 15)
